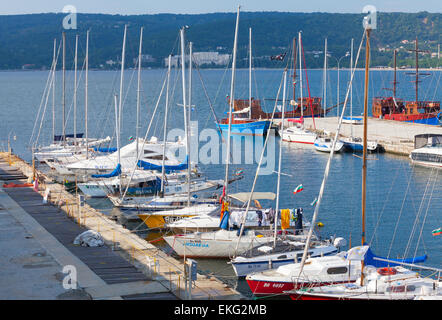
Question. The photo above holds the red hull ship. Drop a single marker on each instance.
(392, 108)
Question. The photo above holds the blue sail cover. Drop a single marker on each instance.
(382, 264)
(150, 166)
(116, 172)
(105, 149)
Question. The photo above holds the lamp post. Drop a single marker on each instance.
(339, 61)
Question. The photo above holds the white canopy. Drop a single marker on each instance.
(244, 196)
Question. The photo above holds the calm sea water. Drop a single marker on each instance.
(404, 202)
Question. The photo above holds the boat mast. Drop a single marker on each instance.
(324, 99)
(294, 73)
(139, 87)
(364, 154)
(280, 159)
(183, 78)
(123, 54)
(86, 87)
(117, 133)
(75, 88)
(232, 92)
(188, 124)
(64, 88)
(54, 66)
(351, 88)
(417, 69)
(394, 79)
(250, 73)
(300, 74)
(163, 171)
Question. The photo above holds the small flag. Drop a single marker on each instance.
(131, 138)
(298, 189)
(279, 57)
(314, 202)
(239, 172)
(437, 232)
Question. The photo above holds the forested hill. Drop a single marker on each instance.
(26, 41)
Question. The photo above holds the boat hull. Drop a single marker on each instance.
(253, 128)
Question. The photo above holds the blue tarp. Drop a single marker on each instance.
(105, 149)
(116, 172)
(369, 261)
(150, 166)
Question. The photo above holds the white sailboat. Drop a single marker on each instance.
(325, 144)
(297, 133)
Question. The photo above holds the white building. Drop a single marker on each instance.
(201, 58)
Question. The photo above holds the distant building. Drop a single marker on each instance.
(201, 58)
(145, 59)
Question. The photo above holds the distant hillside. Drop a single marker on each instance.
(28, 39)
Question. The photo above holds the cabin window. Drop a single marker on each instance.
(148, 151)
(284, 256)
(157, 157)
(401, 288)
(337, 270)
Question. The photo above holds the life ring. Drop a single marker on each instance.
(387, 271)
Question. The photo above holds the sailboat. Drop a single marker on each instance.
(417, 111)
(240, 120)
(377, 277)
(66, 147)
(297, 133)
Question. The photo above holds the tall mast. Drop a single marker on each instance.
(351, 87)
(324, 99)
(394, 79)
(250, 73)
(294, 72)
(231, 102)
(183, 78)
(54, 66)
(364, 154)
(188, 122)
(63, 92)
(123, 54)
(139, 87)
(75, 88)
(86, 87)
(280, 160)
(417, 69)
(117, 133)
(300, 74)
(163, 171)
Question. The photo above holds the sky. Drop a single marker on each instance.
(207, 6)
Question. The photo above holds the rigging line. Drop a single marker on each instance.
(208, 100)
(385, 204)
(145, 137)
(425, 216)
(419, 213)
(400, 215)
(257, 170)
(53, 67)
(44, 110)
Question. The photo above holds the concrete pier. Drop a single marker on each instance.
(394, 136)
(37, 242)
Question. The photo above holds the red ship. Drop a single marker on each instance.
(392, 108)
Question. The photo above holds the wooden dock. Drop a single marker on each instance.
(394, 136)
(126, 267)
